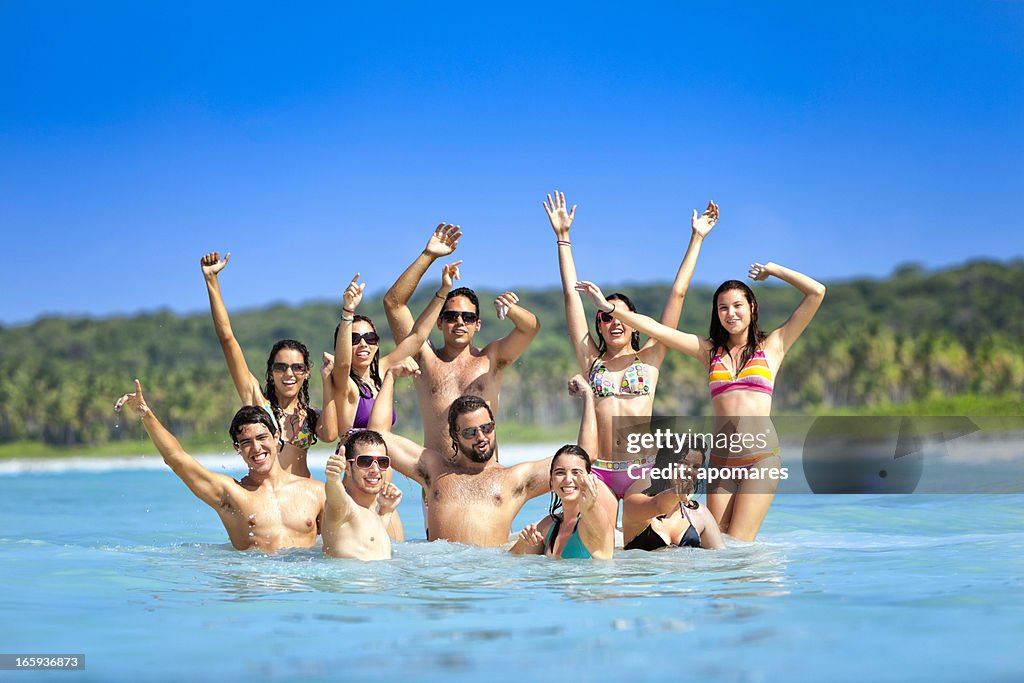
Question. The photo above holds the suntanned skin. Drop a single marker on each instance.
(470, 502)
(457, 368)
(267, 510)
(641, 509)
(358, 511)
(287, 385)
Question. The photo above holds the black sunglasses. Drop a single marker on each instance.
(371, 338)
(468, 317)
(366, 461)
(604, 317)
(297, 368)
(470, 432)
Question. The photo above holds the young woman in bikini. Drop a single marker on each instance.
(286, 392)
(663, 512)
(623, 374)
(742, 363)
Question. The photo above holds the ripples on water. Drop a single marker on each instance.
(127, 568)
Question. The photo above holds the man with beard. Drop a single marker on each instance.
(269, 508)
(473, 499)
(357, 512)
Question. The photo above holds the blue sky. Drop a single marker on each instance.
(841, 139)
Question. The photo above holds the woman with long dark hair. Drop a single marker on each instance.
(742, 363)
(623, 373)
(285, 395)
(663, 510)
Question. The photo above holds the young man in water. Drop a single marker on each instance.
(458, 368)
(358, 510)
(473, 499)
(268, 509)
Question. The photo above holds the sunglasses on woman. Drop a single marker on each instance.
(297, 368)
(470, 432)
(366, 461)
(468, 317)
(371, 338)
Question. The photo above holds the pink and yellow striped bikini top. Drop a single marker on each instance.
(755, 375)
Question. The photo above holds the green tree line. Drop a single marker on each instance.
(916, 336)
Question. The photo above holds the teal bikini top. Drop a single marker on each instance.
(574, 548)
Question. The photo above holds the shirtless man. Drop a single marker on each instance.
(473, 499)
(458, 368)
(266, 510)
(358, 511)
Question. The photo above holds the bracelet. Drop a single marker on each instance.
(346, 319)
(611, 311)
(347, 310)
(565, 243)
(438, 294)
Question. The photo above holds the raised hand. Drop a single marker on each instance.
(353, 294)
(588, 491)
(578, 386)
(504, 303)
(594, 293)
(327, 366)
(760, 273)
(444, 240)
(531, 537)
(702, 224)
(213, 264)
(450, 273)
(561, 220)
(407, 367)
(134, 401)
(388, 499)
(335, 465)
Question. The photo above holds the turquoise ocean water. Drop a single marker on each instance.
(125, 566)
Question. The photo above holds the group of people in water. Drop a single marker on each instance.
(468, 495)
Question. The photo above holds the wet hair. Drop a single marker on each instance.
(250, 415)
(363, 387)
(719, 336)
(461, 406)
(567, 449)
(366, 437)
(462, 291)
(602, 345)
(666, 457)
(271, 394)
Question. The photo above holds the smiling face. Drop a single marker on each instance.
(287, 380)
(567, 473)
(366, 479)
(458, 332)
(257, 445)
(733, 311)
(364, 351)
(479, 447)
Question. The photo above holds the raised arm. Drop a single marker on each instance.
(344, 388)
(690, 344)
(327, 425)
(587, 438)
(648, 507)
(408, 457)
(412, 344)
(814, 294)
(211, 488)
(387, 503)
(597, 529)
(339, 505)
(575, 317)
(700, 226)
(507, 349)
(247, 386)
(396, 301)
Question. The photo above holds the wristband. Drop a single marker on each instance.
(346, 319)
(438, 294)
(565, 243)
